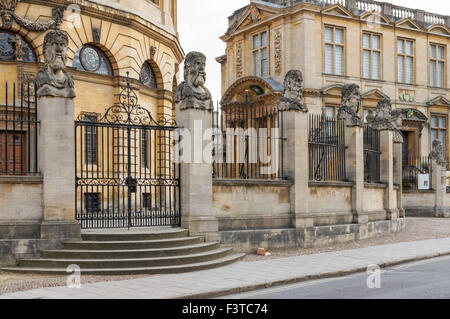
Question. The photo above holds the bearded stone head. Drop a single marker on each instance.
(351, 96)
(8, 7)
(55, 50)
(293, 85)
(194, 69)
(438, 149)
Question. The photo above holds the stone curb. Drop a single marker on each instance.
(333, 274)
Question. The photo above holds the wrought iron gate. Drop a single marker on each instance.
(126, 175)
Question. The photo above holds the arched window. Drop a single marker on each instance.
(13, 48)
(89, 58)
(148, 76)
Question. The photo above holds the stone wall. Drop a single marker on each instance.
(419, 204)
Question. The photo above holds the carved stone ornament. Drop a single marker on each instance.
(292, 98)
(437, 153)
(278, 52)
(96, 34)
(351, 104)
(191, 93)
(152, 52)
(387, 119)
(239, 66)
(7, 8)
(53, 80)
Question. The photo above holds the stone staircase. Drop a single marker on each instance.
(123, 252)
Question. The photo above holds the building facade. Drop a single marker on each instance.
(389, 51)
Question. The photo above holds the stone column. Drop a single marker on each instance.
(295, 166)
(439, 186)
(193, 106)
(57, 141)
(398, 176)
(354, 166)
(387, 172)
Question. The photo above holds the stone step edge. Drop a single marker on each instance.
(74, 261)
(132, 241)
(217, 263)
(81, 251)
(131, 234)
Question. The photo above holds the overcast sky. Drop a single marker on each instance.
(202, 22)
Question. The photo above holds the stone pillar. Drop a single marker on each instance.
(398, 176)
(196, 174)
(439, 185)
(387, 172)
(295, 164)
(354, 165)
(57, 164)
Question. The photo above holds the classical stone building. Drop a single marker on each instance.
(389, 51)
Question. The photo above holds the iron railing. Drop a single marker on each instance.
(248, 142)
(326, 148)
(414, 169)
(19, 130)
(372, 155)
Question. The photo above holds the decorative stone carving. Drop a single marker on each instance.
(437, 153)
(292, 98)
(387, 119)
(7, 8)
(239, 66)
(278, 52)
(191, 93)
(152, 52)
(18, 44)
(96, 34)
(53, 80)
(351, 104)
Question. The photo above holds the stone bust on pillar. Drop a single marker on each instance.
(437, 153)
(387, 119)
(191, 93)
(53, 80)
(351, 104)
(292, 98)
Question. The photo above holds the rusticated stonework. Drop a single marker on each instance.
(239, 66)
(278, 52)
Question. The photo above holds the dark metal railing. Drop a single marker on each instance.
(372, 155)
(248, 142)
(326, 141)
(18, 130)
(414, 168)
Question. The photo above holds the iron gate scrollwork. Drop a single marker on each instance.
(126, 175)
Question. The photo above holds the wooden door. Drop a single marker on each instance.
(12, 153)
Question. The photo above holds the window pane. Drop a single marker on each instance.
(409, 47)
(376, 42)
(440, 74)
(433, 136)
(441, 53)
(376, 65)
(432, 52)
(339, 34)
(263, 39)
(432, 73)
(339, 60)
(409, 70)
(328, 59)
(256, 63)
(366, 113)
(442, 139)
(328, 35)
(442, 122)
(434, 121)
(366, 41)
(366, 64)
(400, 46)
(264, 64)
(400, 65)
(255, 42)
(330, 111)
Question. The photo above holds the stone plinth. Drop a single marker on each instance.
(196, 173)
(398, 176)
(57, 165)
(440, 187)
(387, 172)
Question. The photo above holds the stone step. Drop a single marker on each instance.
(127, 245)
(137, 271)
(129, 254)
(133, 236)
(127, 263)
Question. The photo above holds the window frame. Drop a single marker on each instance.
(259, 49)
(405, 57)
(439, 130)
(437, 60)
(372, 51)
(334, 45)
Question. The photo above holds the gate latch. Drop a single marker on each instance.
(132, 184)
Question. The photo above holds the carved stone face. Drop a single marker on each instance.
(293, 86)
(56, 54)
(437, 148)
(196, 73)
(351, 97)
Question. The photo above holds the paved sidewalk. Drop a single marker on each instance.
(246, 276)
